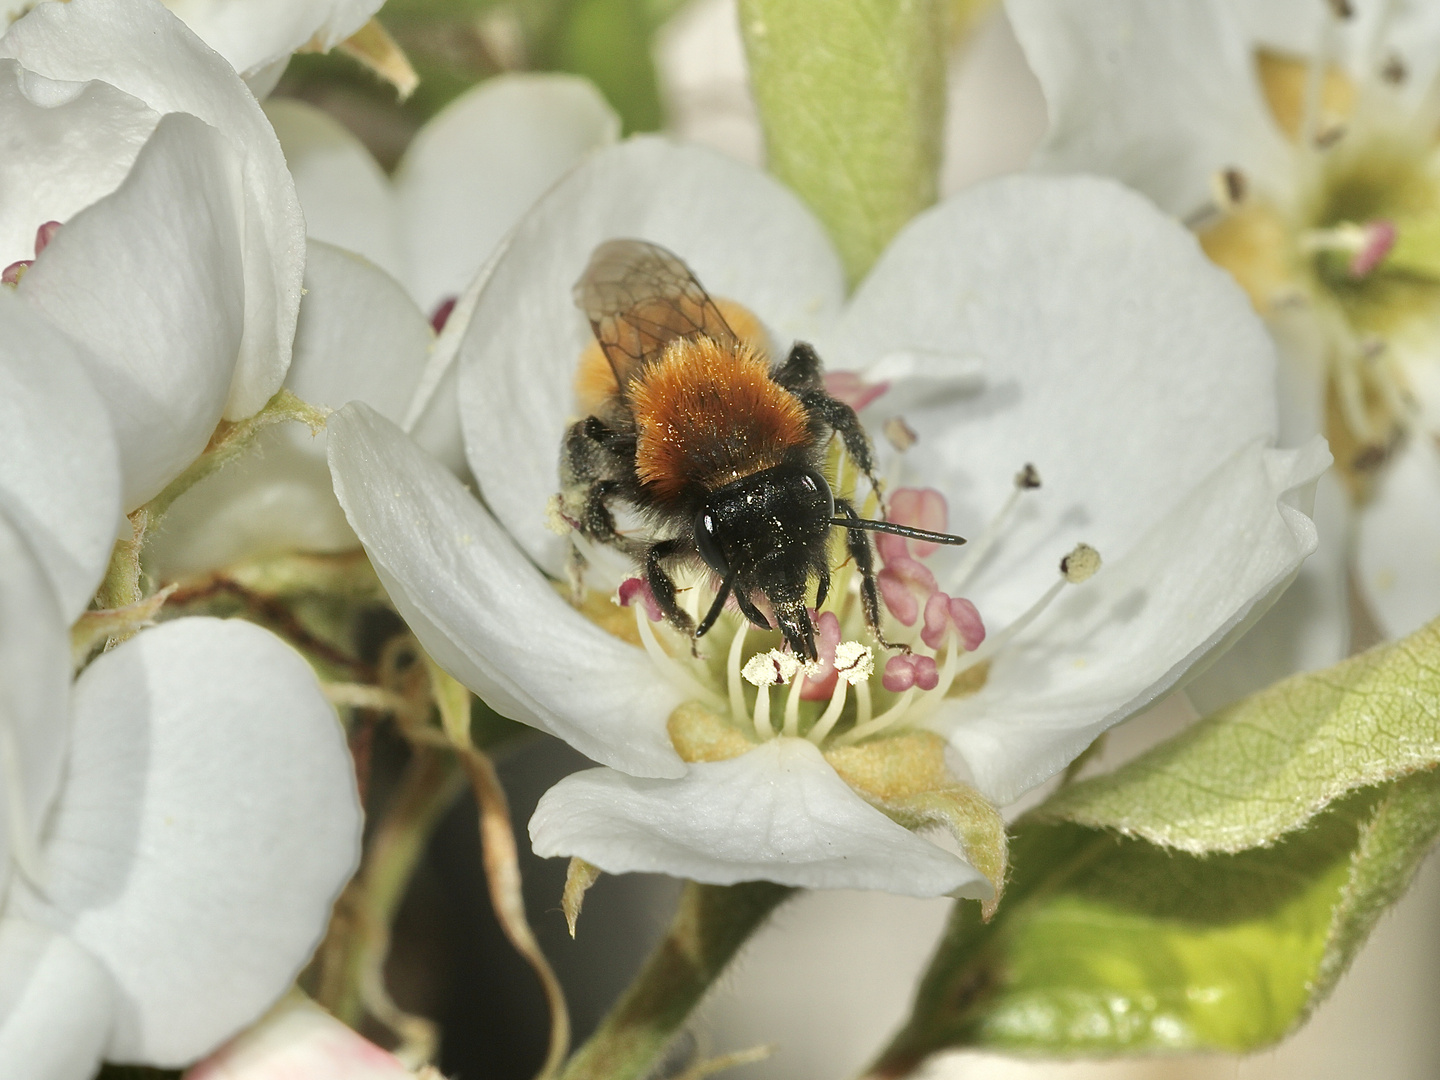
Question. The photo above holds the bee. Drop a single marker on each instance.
(718, 451)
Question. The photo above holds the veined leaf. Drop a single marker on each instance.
(1106, 945)
(1209, 894)
(1266, 765)
(852, 100)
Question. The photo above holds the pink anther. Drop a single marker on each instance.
(854, 391)
(1379, 237)
(904, 583)
(632, 589)
(44, 234)
(942, 613)
(821, 685)
(904, 671)
(441, 315)
(921, 508)
(12, 274)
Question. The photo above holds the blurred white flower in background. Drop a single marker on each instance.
(419, 238)
(1301, 146)
(1051, 270)
(257, 37)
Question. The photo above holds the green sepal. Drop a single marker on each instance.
(852, 102)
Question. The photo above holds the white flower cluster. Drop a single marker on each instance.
(179, 811)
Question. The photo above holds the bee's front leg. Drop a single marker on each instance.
(858, 543)
(662, 586)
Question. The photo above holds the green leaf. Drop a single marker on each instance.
(1107, 945)
(1254, 854)
(1266, 765)
(852, 100)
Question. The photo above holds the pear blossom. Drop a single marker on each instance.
(185, 806)
(257, 38)
(173, 245)
(417, 239)
(1296, 137)
(1059, 324)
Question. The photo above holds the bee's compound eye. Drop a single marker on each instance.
(708, 543)
(811, 480)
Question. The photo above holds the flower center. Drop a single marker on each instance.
(1355, 242)
(758, 690)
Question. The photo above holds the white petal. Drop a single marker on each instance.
(346, 196)
(745, 237)
(34, 701)
(1160, 94)
(475, 168)
(1307, 628)
(59, 465)
(1398, 547)
(57, 1005)
(150, 280)
(1115, 644)
(1117, 359)
(778, 813)
(139, 47)
(208, 820)
(252, 35)
(359, 338)
(47, 172)
(485, 613)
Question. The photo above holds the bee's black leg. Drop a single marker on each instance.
(751, 612)
(661, 585)
(858, 543)
(841, 419)
(802, 369)
(718, 606)
(824, 588)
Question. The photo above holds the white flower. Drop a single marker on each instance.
(1319, 195)
(180, 250)
(176, 822)
(257, 37)
(466, 179)
(1061, 323)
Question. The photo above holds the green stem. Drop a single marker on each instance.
(708, 929)
(852, 99)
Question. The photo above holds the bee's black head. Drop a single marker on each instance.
(767, 533)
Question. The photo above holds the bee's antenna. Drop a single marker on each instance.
(897, 530)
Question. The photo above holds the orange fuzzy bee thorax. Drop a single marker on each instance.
(708, 414)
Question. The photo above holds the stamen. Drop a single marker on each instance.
(899, 434)
(1075, 568)
(633, 589)
(678, 676)
(764, 670)
(1229, 188)
(12, 274)
(1027, 479)
(854, 663)
(849, 387)
(1367, 245)
(732, 671)
(890, 716)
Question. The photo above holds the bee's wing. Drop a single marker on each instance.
(640, 297)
